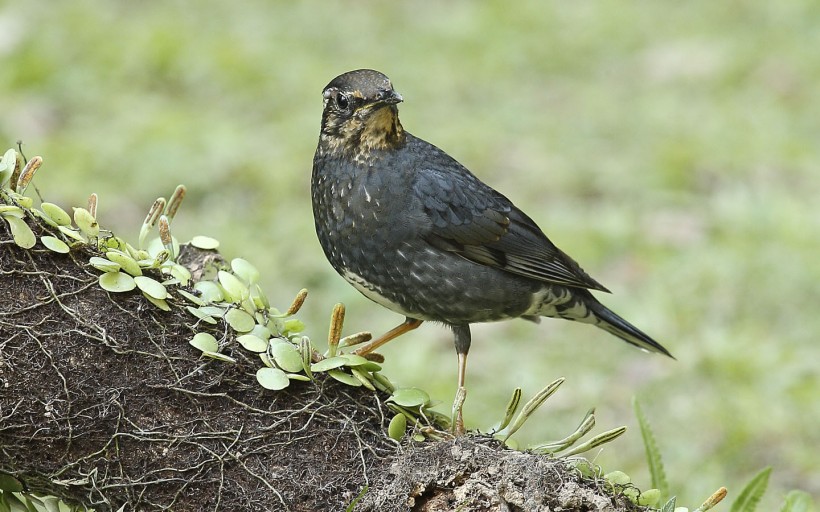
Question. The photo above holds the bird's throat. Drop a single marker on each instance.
(364, 134)
(382, 130)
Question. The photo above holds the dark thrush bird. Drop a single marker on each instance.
(415, 231)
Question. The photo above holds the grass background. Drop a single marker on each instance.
(671, 148)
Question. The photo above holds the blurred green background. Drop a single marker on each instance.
(671, 148)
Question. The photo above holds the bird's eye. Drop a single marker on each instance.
(342, 101)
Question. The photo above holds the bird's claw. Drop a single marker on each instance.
(458, 404)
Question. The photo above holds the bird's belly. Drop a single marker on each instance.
(429, 284)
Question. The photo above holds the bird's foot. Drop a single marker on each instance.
(458, 404)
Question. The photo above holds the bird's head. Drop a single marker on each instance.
(360, 114)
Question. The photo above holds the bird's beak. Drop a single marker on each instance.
(390, 97)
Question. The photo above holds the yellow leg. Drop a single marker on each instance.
(408, 325)
(461, 395)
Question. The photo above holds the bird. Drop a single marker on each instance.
(415, 231)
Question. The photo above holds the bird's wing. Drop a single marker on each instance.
(474, 221)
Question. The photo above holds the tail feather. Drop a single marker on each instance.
(607, 320)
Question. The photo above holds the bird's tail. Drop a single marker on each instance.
(607, 320)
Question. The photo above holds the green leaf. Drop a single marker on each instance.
(239, 320)
(272, 378)
(104, 264)
(56, 214)
(286, 356)
(10, 484)
(117, 282)
(204, 342)
(410, 397)
(397, 427)
(354, 359)
(245, 270)
(345, 378)
(649, 498)
(126, 262)
(151, 287)
(22, 234)
(653, 454)
(750, 496)
(328, 364)
(532, 405)
(609, 435)
(70, 232)
(205, 317)
(363, 377)
(256, 344)
(55, 244)
(160, 303)
(798, 501)
(86, 222)
(191, 297)
(669, 506)
(211, 292)
(10, 210)
(205, 242)
(235, 289)
(512, 406)
(617, 478)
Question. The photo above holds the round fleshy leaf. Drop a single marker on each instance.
(56, 214)
(10, 210)
(10, 484)
(24, 201)
(191, 297)
(42, 216)
(86, 222)
(213, 311)
(239, 320)
(410, 397)
(71, 233)
(182, 274)
(617, 478)
(104, 264)
(204, 242)
(234, 288)
(202, 316)
(272, 378)
(204, 342)
(126, 262)
(345, 378)
(397, 427)
(211, 292)
(22, 234)
(328, 364)
(160, 303)
(151, 287)
(294, 325)
(260, 331)
(55, 244)
(252, 343)
(298, 376)
(117, 282)
(354, 360)
(286, 356)
(245, 270)
(364, 378)
(259, 298)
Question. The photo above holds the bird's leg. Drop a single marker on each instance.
(462, 342)
(408, 325)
